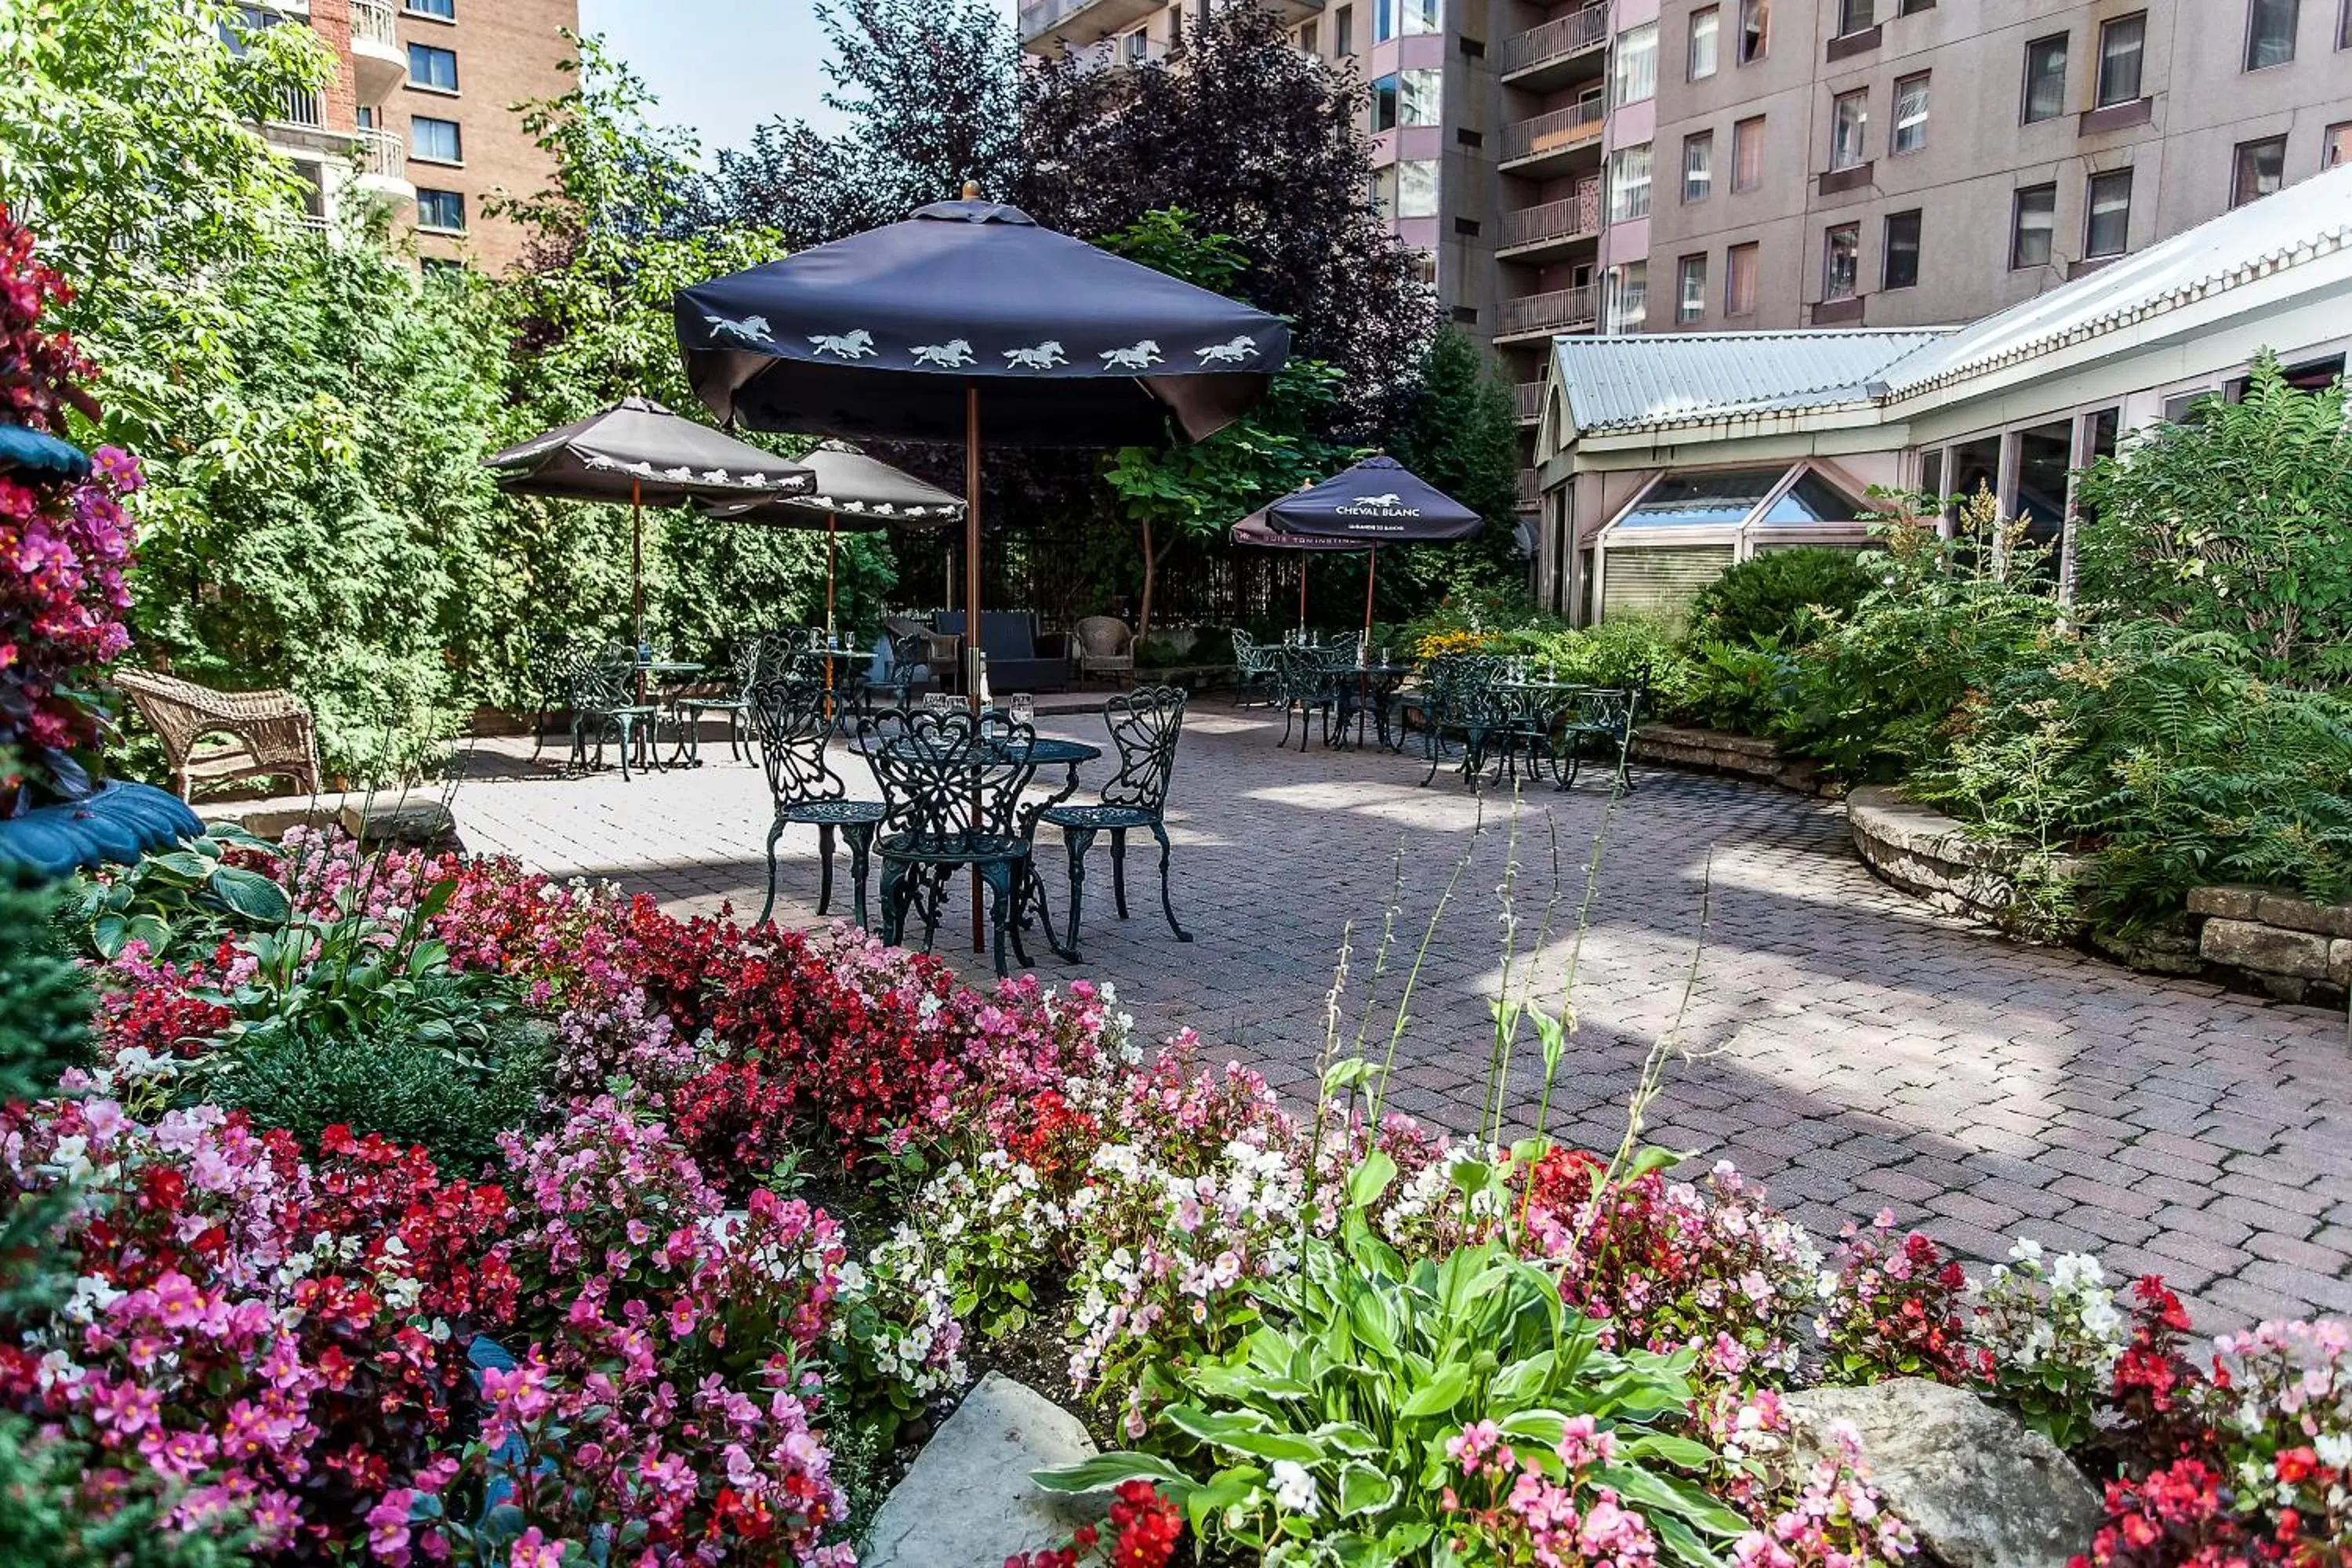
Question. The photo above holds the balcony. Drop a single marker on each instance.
(1546, 315)
(1109, 54)
(1556, 53)
(1533, 233)
(1530, 491)
(1081, 22)
(379, 61)
(1549, 143)
(1530, 394)
(383, 162)
(300, 109)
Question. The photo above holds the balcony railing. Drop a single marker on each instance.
(1559, 310)
(383, 154)
(1577, 217)
(300, 106)
(1530, 400)
(1530, 489)
(1554, 132)
(1555, 40)
(373, 22)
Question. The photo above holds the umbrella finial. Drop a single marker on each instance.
(971, 190)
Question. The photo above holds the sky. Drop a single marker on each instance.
(723, 67)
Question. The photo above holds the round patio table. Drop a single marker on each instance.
(1375, 687)
(668, 672)
(1539, 704)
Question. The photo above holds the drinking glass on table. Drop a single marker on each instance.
(1025, 707)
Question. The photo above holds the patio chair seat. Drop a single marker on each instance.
(1102, 819)
(837, 813)
(272, 732)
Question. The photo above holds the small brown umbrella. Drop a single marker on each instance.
(1255, 530)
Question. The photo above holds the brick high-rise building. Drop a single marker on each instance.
(421, 111)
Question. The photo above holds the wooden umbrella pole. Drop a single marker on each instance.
(637, 582)
(1364, 654)
(971, 602)
(832, 532)
(1302, 590)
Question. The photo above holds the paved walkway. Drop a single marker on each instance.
(1841, 1042)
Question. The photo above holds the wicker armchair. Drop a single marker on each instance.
(270, 732)
(1105, 646)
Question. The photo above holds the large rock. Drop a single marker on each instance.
(967, 1500)
(1980, 1489)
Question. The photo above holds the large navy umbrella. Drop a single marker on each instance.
(853, 491)
(1255, 530)
(639, 452)
(24, 450)
(1378, 501)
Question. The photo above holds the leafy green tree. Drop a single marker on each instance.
(2234, 521)
(1203, 488)
(1461, 433)
(614, 237)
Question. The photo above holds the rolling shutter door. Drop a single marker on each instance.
(1667, 578)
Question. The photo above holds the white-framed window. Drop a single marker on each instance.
(1910, 134)
(1706, 30)
(1629, 183)
(1690, 289)
(1850, 129)
(1634, 66)
(436, 141)
(1699, 166)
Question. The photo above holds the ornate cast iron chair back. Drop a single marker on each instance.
(789, 718)
(1144, 725)
(950, 788)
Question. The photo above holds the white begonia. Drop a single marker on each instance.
(2073, 1271)
(1294, 1488)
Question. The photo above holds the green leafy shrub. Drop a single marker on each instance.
(184, 900)
(388, 1080)
(1775, 594)
(1742, 687)
(2234, 521)
(1626, 650)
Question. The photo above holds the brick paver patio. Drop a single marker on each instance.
(1846, 1045)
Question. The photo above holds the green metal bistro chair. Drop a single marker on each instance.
(1458, 693)
(735, 701)
(1145, 724)
(601, 695)
(1602, 718)
(953, 793)
(1306, 682)
(1252, 669)
(789, 718)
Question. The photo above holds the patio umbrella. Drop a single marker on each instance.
(24, 450)
(639, 452)
(854, 491)
(1255, 530)
(1378, 501)
(908, 331)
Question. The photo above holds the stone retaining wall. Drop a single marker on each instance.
(1932, 856)
(1721, 752)
(2293, 949)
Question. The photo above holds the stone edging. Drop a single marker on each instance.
(1721, 752)
(1932, 856)
(2296, 950)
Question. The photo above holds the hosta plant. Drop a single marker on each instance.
(1367, 1412)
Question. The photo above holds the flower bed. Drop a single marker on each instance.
(772, 1194)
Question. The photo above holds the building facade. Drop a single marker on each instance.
(420, 114)
(1902, 163)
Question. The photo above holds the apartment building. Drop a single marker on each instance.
(1903, 162)
(420, 114)
(1486, 121)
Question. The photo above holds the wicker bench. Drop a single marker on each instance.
(269, 732)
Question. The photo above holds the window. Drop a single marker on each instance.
(1343, 31)
(2343, 25)
(1308, 42)
(1739, 279)
(1909, 6)
(1910, 134)
(1401, 18)
(1856, 15)
(2336, 145)
(2270, 32)
(1699, 166)
(1629, 183)
(1849, 129)
(444, 9)
(442, 210)
(2106, 228)
(1812, 499)
(1407, 97)
(1900, 257)
(1842, 261)
(2261, 169)
(1706, 23)
(2031, 224)
(1748, 154)
(1755, 29)
(436, 141)
(1408, 189)
(1690, 289)
(2122, 43)
(1628, 296)
(1701, 500)
(429, 67)
(2045, 78)
(1634, 66)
